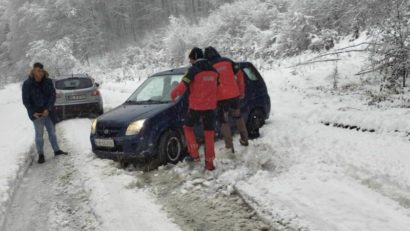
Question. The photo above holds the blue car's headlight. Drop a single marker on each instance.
(135, 127)
(94, 127)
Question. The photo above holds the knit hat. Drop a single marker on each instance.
(196, 53)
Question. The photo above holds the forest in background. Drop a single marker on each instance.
(70, 35)
(75, 30)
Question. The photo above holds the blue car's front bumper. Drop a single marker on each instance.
(131, 148)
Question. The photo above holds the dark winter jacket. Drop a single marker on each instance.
(231, 77)
(38, 96)
(202, 82)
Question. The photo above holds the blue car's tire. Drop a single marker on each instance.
(170, 149)
(255, 121)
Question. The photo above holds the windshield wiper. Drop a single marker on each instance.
(150, 101)
(131, 102)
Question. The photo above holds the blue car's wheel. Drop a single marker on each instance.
(170, 148)
(256, 120)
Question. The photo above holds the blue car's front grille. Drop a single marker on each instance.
(108, 132)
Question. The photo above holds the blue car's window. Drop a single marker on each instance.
(155, 90)
(251, 74)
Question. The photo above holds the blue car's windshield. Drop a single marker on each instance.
(155, 90)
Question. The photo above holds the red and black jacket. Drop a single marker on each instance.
(231, 79)
(202, 82)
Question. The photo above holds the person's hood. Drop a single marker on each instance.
(211, 54)
(31, 76)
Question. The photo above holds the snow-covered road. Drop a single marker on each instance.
(51, 197)
(79, 192)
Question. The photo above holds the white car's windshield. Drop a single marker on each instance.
(155, 90)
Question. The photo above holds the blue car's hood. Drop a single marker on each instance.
(127, 113)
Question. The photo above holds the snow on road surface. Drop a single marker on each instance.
(51, 197)
(80, 192)
(77, 192)
(16, 139)
(117, 206)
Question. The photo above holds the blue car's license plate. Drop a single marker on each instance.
(105, 143)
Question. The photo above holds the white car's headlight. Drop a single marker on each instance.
(135, 127)
(94, 127)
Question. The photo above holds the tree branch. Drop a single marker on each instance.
(313, 62)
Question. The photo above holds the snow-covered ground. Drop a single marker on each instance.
(16, 135)
(68, 193)
(300, 174)
(326, 178)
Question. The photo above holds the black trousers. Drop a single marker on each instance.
(207, 117)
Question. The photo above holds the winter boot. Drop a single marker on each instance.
(191, 142)
(227, 135)
(209, 150)
(41, 159)
(240, 124)
(59, 152)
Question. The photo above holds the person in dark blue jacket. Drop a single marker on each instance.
(39, 96)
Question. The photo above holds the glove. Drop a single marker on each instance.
(179, 90)
(174, 95)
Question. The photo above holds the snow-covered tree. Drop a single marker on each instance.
(391, 44)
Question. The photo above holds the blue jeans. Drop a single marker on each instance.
(39, 125)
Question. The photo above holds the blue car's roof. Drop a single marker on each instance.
(181, 70)
(176, 71)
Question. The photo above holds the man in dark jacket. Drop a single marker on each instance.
(201, 81)
(39, 96)
(230, 90)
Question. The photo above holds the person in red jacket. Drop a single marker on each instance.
(230, 91)
(201, 81)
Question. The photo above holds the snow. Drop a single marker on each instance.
(327, 178)
(300, 174)
(16, 135)
(117, 206)
(115, 93)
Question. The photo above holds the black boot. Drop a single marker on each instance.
(59, 152)
(41, 159)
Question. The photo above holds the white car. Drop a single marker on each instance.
(78, 95)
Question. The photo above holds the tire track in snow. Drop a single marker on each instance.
(199, 200)
(51, 197)
(196, 204)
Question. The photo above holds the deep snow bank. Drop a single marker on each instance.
(326, 178)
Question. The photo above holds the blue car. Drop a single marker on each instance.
(149, 125)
